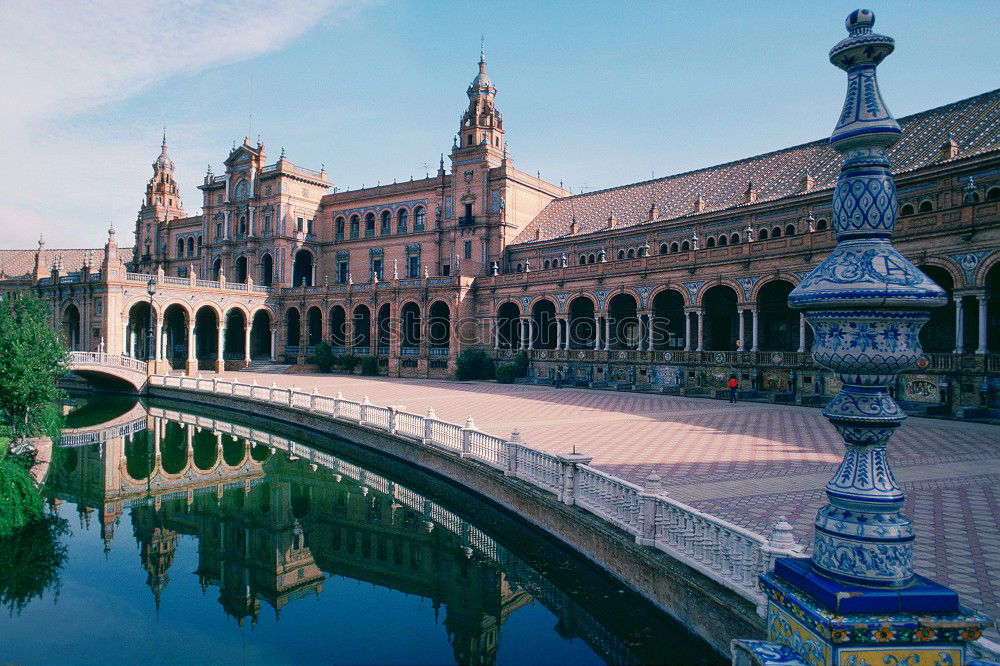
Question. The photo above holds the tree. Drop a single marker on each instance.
(32, 359)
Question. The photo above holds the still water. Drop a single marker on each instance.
(177, 537)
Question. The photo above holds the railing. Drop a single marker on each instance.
(725, 552)
(144, 278)
(110, 360)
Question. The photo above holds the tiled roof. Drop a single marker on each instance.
(16, 263)
(973, 123)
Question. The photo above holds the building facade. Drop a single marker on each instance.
(672, 284)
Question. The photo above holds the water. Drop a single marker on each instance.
(232, 545)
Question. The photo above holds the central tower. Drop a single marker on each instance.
(482, 125)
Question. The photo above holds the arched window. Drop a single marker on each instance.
(762, 234)
(642, 251)
(926, 206)
(401, 218)
(191, 245)
(723, 241)
(776, 232)
(338, 227)
(685, 246)
(242, 190)
(907, 209)
(631, 253)
(520, 268)
(993, 194)
(663, 248)
(674, 248)
(180, 247)
(710, 242)
(199, 245)
(369, 225)
(821, 224)
(355, 226)
(590, 258)
(418, 218)
(243, 224)
(789, 229)
(621, 254)
(545, 264)
(583, 259)
(386, 222)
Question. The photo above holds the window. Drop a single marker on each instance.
(243, 224)
(789, 229)
(300, 224)
(418, 218)
(993, 194)
(377, 271)
(710, 242)
(663, 248)
(338, 228)
(218, 230)
(98, 306)
(583, 259)
(446, 269)
(355, 226)
(468, 140)
(520, 268)
(590, 258)
(386, 223)
(180, 247)
(723, 241)
(546, 265)
(685, 246)
(674, 248)
(369, 225)
(621, 254)
(309, 226)
(199, 245)
(267, 224)
(926, 206)
(267, 190)
(907, 209)
(734, 239)
(776, 232)
(413, 266)
(342, 269)
(631, 253)
(468, 249)
(762, 234)
(190, 246)
(402, 217)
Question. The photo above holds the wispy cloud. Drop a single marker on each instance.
(61, 60)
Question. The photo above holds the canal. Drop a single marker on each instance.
(177, 536)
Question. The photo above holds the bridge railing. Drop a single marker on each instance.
(732, 555)
(107, 360)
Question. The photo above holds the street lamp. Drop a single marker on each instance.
(151, 289)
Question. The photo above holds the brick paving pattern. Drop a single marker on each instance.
(747, 463)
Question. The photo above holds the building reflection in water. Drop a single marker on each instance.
(274, 519)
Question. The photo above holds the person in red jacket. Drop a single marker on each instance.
(733, 385)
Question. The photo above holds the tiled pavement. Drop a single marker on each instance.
(747, 463)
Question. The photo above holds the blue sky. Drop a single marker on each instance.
(594, 94)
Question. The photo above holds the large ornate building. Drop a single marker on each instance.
(671, 284)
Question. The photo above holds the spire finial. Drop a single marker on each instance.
(164, 144)
(482, 49)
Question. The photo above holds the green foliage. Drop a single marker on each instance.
(30, 560)
(32, 359)
(369, 366)
(20, 503)
(521, 361)
(323, 356)
(348, 363)
(475, 363)
(506, 373)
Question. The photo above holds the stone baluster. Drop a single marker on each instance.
(959, 326)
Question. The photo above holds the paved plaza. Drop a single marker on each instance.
(746, 463)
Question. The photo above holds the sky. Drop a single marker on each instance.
(594, 94)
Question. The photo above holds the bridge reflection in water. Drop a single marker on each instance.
(274, 517)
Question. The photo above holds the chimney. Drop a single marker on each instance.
(612, 222)
(699, 204)
(807, 182)
(751, 194)
(538, 233)
(654, 212)
(948, 150)
(572, 226)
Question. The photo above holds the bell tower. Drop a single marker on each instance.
(481, 129)
(161, 204)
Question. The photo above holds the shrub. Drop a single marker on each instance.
(521, 363)
(475, 363)
(369, 366)
(21, 504)
(323, 357)
(506, 372)
(348, 363)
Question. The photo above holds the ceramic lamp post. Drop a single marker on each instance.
(858, 599)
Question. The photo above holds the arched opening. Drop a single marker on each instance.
(362, 330)
(355, 226)
(721, 324)
(776, 232)
(266, 277)
(260, 335)
(723, 241)
(663, 248)
(439, 328)
(386, 217)
(993, 194)
(938, 335)
(302, 269)
(621, 254)
(410, 329)
(173, 448)
(241, 273)
(762, 235)
(631, 253)
(314, 327)
(778, 324)
(139, 455)
(234, 348)
(734, 239)
(590, 258)
(907, 209)
(180, 247)
(293, 331)
(508, 326)
(789, 229)
(401, 217)
(175, 332)
(206, 335)
(674, 248)
(546, 333)
(710, 242)
(338, 228)
(583, 259)
(190, 246)
(369, 225)
(926, 207)
(545, 264)
(624, 329)
(138, 333)
(668, 320)
(384, 322)
(205, 450)
(822, 224)
(338, 327)
(217, 268)
(686, 246)
(300, 500)
(234, 450)
(992, 309)
(418, 218)
(71, 326)
(582, 324)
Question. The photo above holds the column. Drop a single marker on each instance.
(496, 333)
(597, 332)
(959, 326)
(157, 342)
(523, 330)
(741, 314)
(274, 344)
(802, 333)
(701, 330)
(191, 343)
(981, 349)
(531, 333)
(687, 331)
(756, 317)
(649, 331)
(246, 344)
(607, 333)
(126, 330)
(220, 361)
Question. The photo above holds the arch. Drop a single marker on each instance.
(938, 335)
(723, 241)
(668, 319)
(710, 242)
(992, 288)
(409, 319)
(205, 450)
(583, 259)
(338, 326)
(402, 216)
(266, 275)
(822, 224)
(439, 325)
(926, 206)
(241, 273)
(314, 326)
(993, 193)
(664, 248)
(545, 265)
(180, 247)
(385, 225)
(362, 329)
(418, 217)
(582, 323)
(621, 254)
(546, 328)
(642, 251)
(789, 229)
(719, 303)
(176, 318)
(675, 248)
(369, 224)
(778, 325)
(217, 268)
(631, 253)
(762, 235)
(206, 336)
(906, 209)
(260, 334)
(624, 321)
(685, 246)
(138, 330)
(71, 326)
(191, 246)
(234, 345)
(139, 456)
(590, 258)
(734, 239)
(383, 328)
(508, 326)
(173, 449)
(338, 227)
(355, 226)
(293, 328)
(303, 269)
(234, 451)
(776, 232)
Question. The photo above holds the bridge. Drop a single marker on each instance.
(134, 420)
(99, 364)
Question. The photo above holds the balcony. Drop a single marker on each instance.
(467, 221)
